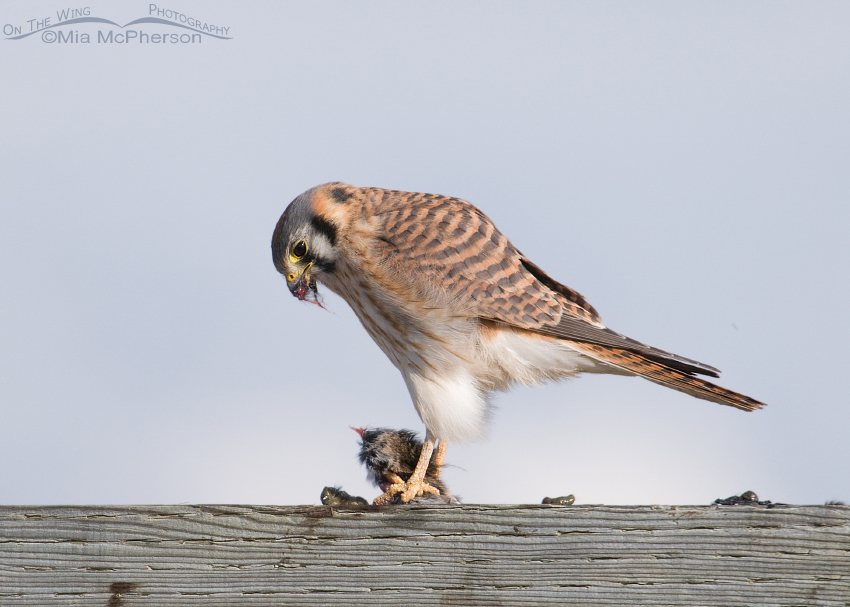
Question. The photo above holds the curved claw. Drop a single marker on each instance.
(397, 487)
(416, 489)
(415, 485)
(408, 490)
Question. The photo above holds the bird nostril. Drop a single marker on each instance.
(291, 277)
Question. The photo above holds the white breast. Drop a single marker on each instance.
(449, 361)
(452, 406)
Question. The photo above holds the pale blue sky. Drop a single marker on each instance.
(686, 166)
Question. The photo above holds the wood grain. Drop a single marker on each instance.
(437, 555)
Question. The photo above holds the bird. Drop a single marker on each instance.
(457, 308)
(390, 457)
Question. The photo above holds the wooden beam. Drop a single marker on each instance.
(414, 555)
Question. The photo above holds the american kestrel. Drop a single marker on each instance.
(457, 308)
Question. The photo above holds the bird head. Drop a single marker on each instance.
(304, 245)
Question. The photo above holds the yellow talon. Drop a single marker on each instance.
(415, 485)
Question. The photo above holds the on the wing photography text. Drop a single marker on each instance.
(194, 29)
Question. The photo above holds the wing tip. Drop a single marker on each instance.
(752, 405)
(670, 374)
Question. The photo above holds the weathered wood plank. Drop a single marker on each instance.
(438, 555)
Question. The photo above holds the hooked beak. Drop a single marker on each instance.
(303, 286)
(299, 284)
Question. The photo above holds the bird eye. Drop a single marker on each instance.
(299, 250)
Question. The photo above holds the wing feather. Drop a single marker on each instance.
(455, 247)
(662, 374)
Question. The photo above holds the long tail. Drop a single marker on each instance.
(659, 373)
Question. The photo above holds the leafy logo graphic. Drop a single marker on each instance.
(156, 16)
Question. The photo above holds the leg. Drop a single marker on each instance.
(415, 485)
(396, 487)
(441, 455)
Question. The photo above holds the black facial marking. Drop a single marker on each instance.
(340, 195)
(324, 265)
(323, 226)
